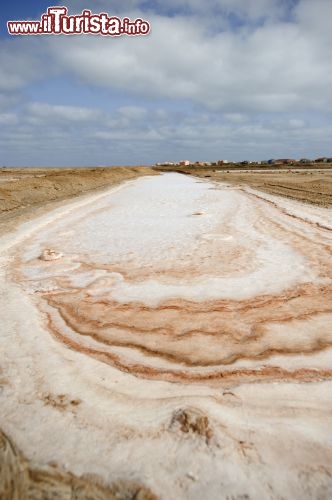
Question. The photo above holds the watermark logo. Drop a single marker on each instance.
(57, 22)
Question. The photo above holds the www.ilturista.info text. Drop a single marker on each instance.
(57, 22)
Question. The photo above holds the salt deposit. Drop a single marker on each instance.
(172, 297)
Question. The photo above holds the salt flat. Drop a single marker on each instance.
(182, 339)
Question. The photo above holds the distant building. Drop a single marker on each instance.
(202, 164)
(305, 160)
(184, 163)
(322, 160)
(284, 161)
(222, 162)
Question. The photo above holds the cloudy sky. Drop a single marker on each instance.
(231, 79)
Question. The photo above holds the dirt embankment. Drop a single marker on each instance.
(307, 186)
(24, 192)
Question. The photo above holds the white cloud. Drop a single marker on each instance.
(48, 112)
(8, 118)
(249, 9)
(296, 123)
(275, 67)
(132, 112)
(128, 135)
(21, 62)
(236, 117)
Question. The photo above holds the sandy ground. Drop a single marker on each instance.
(175, 333)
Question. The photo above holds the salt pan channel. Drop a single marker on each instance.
(171, 293)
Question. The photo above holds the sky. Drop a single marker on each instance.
(214, 79)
